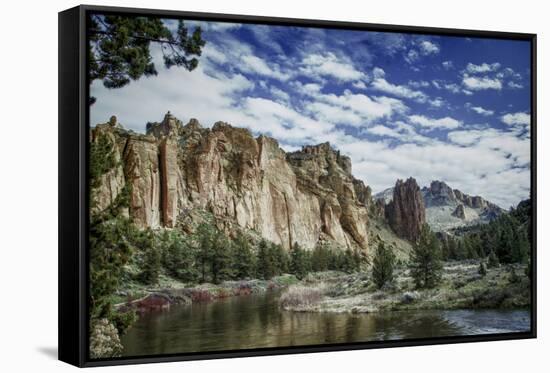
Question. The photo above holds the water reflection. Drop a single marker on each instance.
(256, 321)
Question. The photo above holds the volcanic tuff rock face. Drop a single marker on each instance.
(305, 196)
(406, 213)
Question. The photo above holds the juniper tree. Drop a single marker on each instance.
(425, 261)
(383, 265)
(119, 47)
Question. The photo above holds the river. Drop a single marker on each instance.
(256, 321)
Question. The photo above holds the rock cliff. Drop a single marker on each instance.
(406, 213)
(245, 182)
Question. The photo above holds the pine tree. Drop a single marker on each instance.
(320, 259)
(220, 260)
(205, 239)
(280, 259)
(243, 258)
(150, 267)
(298, 261)
(178, 256)
(110, 250)
(265, 264)
(119, 48)
(425, 262)
(383, 265)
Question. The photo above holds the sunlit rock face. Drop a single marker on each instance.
(174, 169)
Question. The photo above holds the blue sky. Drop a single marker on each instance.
(432, 107)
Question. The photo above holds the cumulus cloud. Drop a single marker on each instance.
(253, 64)
(513, 119)
(431, 123)
(476, 83)
(328, 64)
(427, 48)
(515, 85)
(483, 68)
(381, 84)
(479, 110)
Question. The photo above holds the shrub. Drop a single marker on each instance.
(301, 296)
(482, 270)
(104, 340)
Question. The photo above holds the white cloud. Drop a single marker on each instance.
(255, 65)
(381, 84)
(378, 73)
(479, 110)
(328, 64)
(513, 119)
(401, 131)
(418, 84)
(447, 65)
(481, 83)
(279, 94)
(427, 48)
(359, 84)
(514, 85)
(445, 123)
(412, 56)
(354, 109)
(483, 68)
(437, 102)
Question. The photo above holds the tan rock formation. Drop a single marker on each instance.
(246, 182)
(406, 213)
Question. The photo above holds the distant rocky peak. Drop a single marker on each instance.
(438, 194)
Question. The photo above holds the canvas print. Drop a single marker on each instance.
(257, 186)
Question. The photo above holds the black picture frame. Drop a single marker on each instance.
(73, 187)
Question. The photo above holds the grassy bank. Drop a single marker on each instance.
(461, 287)
(169, 291)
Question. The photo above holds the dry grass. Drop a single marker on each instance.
(302, 297)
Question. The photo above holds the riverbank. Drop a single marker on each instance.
(170, 292)
(462, 287)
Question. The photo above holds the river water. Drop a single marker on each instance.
(256, 321)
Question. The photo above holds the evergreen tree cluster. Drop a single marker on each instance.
(210, 256)
(504, 240)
